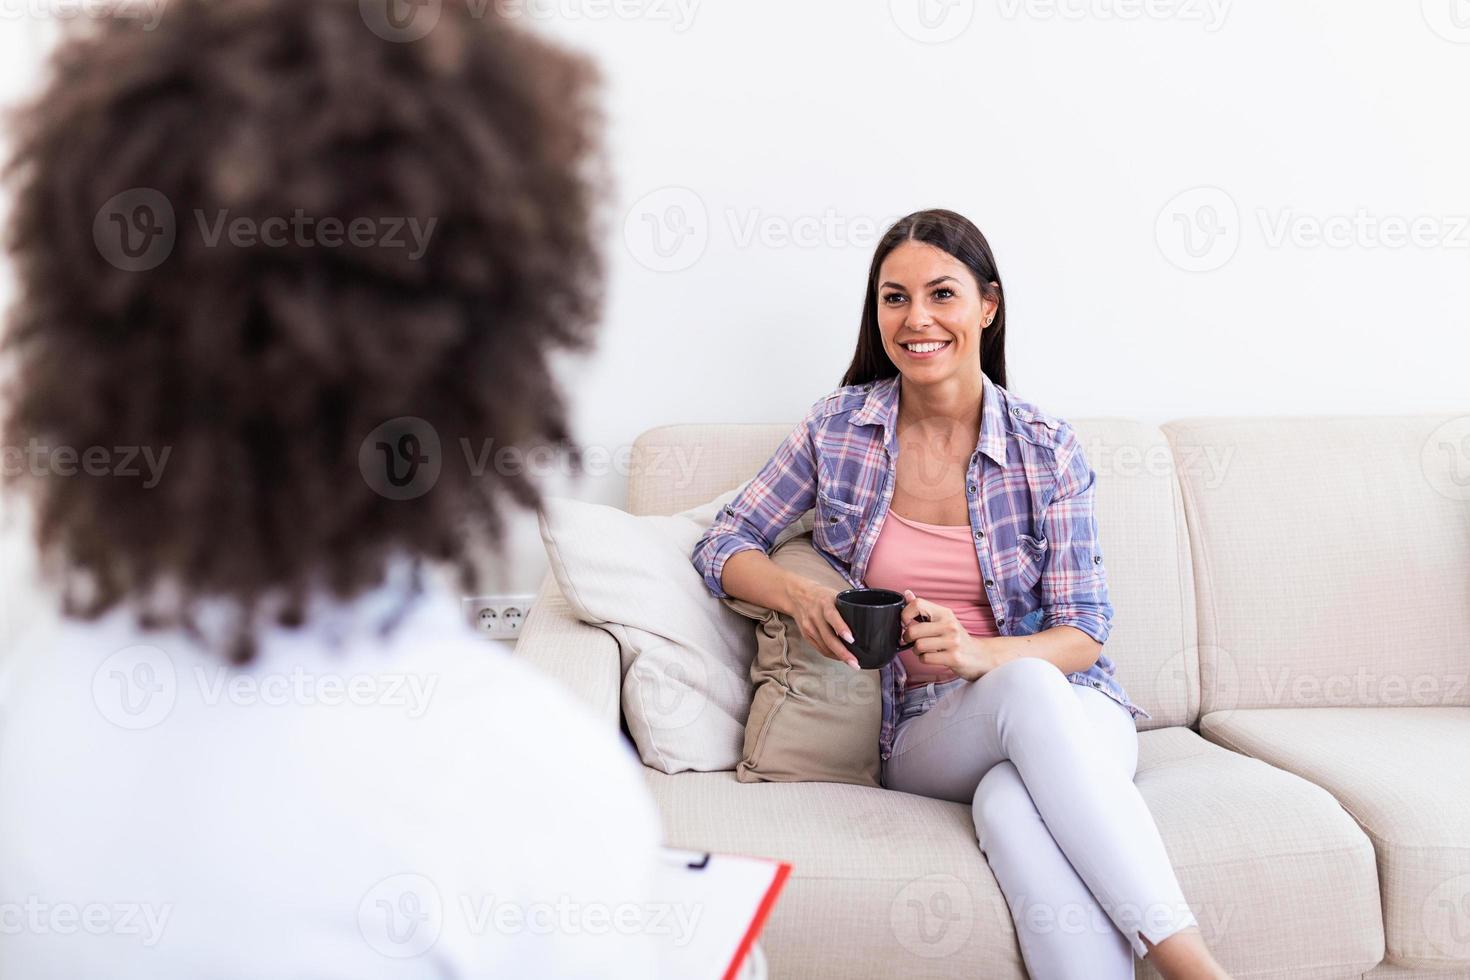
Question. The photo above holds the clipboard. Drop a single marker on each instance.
(724, 901)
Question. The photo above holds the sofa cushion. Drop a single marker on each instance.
(812, 718)
(1332, 559)
(886, 883)
(1404, 775)
(685, 656)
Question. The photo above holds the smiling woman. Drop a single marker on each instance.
(991, 507)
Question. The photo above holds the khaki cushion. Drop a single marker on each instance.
(1404, 775)
(889, 884)
(812, 718)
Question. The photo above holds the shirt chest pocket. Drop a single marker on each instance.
(836, 525)
(1029, 561)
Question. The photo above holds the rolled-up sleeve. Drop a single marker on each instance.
(783, 490)
(1074, 583)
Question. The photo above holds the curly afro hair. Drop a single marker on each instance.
(248, 239)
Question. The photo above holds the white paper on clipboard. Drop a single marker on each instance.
(717, 905)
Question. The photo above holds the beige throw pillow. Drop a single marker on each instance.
(812, 719)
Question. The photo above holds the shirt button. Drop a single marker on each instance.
(979, 534)
(1016, 412)
(729, 511)
(1097, 559)
(832, 520)
(990, 583)
(972, 488)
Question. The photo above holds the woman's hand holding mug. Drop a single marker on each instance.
(943, 641)
(815, 610)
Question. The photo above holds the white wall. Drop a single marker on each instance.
(1068, 131)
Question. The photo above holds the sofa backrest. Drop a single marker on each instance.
(1140, 518)
(1332, 559)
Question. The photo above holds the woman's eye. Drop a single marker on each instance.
(892, 298)
(943, 293)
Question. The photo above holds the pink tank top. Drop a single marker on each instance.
(938, 562)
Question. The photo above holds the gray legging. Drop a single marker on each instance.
(1047, 766)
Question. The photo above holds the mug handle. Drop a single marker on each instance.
(921, 618)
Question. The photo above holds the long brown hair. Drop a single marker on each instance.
(957, 236)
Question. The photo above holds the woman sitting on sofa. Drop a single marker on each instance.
(1006, 700)
(272, 268)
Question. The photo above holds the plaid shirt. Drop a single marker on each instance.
(1030, 492)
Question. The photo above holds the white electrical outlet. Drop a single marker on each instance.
(497, 617)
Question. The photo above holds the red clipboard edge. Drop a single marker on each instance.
(758, 922)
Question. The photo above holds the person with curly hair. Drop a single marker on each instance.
(273, 267)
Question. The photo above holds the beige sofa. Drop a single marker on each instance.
(1293, 608)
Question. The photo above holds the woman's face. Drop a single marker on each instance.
(926, 297)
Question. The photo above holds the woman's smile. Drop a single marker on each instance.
(923, 350)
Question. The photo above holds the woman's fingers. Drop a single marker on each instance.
(917, 610)
(825, 639)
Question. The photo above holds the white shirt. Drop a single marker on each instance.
(420, 806)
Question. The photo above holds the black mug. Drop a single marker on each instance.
(875, 618)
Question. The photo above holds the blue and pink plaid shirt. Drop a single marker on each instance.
(1031, 509)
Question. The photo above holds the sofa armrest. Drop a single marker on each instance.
(582, 657)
